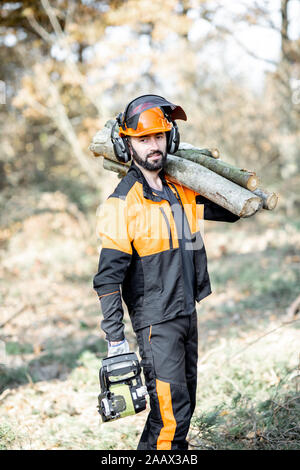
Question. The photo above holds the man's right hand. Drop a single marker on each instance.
(117, 347)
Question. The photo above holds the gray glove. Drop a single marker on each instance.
(120, 348)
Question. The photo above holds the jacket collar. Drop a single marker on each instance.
(135, 171)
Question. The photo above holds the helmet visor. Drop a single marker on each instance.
(151, 121)
(137, 106)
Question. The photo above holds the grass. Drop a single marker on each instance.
(55, 359)
(268, 278)
(247, 425)
(269, 425)
(251, 400)
(7, 436)
(12, 376)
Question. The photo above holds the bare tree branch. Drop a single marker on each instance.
(60, 117)
(40, 30)
(61, 40)
(52, 17)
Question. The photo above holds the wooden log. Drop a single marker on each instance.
(214, 153)
(245, 178)
(101, 145)
(114, 166)
(269, 199)
(218, 189)
(213, 186)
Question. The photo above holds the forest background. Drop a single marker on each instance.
(66, 68)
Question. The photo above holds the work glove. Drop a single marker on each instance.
(121, 347)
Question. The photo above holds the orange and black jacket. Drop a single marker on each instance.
(140, 259)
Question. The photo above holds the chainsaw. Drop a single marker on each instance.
(122, 390)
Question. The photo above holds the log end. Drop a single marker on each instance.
(252, 182)
(271, 202)
(92, 149)
(251, 206)
(215, 153)
(269, 199)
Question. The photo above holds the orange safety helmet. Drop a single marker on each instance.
(146, 114)
(151, 121)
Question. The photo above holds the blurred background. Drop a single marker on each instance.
(66, 68)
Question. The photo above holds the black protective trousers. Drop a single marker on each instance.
(169, 355)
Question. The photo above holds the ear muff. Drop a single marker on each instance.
(173, 139)
(120, 144)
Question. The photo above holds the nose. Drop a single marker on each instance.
(153, 143)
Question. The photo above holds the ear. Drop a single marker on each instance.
(129, 143)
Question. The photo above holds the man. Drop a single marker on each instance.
(152, 247)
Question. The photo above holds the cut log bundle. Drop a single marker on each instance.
(244, 178)
(229, 195)
(201, 170)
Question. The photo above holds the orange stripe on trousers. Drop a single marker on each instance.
(166, 436)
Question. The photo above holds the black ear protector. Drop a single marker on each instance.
(173, 139)
(121, 146)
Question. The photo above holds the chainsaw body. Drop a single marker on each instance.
(122, 391)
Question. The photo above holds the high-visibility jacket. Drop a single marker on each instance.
(140, 252)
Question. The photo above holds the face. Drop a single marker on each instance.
(149, 151)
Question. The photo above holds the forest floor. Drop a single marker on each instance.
(51, 343)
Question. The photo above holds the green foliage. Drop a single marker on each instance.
(14, 347)
(12, 376)
(268, 425)
(70, 357)
(7, 436)
(273, 285)
(258, 404)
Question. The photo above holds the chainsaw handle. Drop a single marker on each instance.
(117, 372)
(108, 362)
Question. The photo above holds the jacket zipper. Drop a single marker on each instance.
(168, 226)
(179, 199)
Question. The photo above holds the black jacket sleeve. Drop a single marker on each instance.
(213, 211)
(115, 258)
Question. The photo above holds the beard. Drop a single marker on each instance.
(151, 166)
